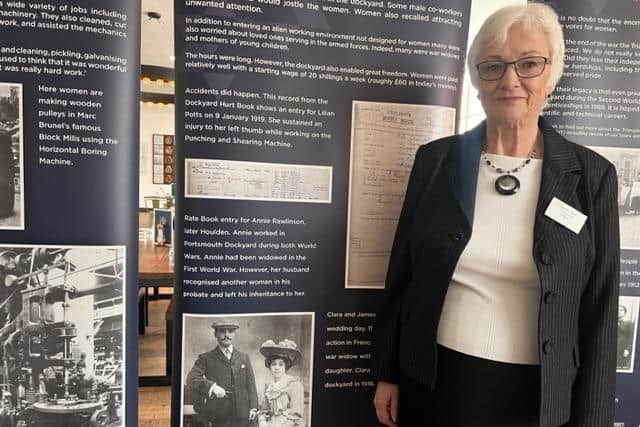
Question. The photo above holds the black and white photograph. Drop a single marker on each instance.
(11, 164)
(61, 330)
(627, 325)
(247, 370)
(627, 163)
(163, 227)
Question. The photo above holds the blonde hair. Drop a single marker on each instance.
(533, 16)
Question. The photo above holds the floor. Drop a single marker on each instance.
(154, 407)
(154, 403)
(151, 345)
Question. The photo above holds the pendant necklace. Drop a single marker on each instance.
(507, 184)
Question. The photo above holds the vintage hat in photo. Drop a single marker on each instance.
(285, 349)
(225, 323)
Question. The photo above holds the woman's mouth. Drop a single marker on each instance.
(509, 98)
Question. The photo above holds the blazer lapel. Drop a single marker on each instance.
(234, 357)
(561, 172)
(462, 168)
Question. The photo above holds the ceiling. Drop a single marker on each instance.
(157, 34)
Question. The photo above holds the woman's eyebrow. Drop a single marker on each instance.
(529, 52)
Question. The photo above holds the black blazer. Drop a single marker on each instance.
(579, 273)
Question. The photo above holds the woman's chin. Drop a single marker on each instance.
(508, 116)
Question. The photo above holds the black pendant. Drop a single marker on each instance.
(507, 185)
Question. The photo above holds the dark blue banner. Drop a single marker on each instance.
(297, 123)
(69, 84)
(597, 103)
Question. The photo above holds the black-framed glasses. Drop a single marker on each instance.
(531, 66)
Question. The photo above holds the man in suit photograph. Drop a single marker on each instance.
(223, 383)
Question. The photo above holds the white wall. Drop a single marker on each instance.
(153, 119)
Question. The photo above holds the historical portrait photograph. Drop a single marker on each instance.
(250, 370)
(627, 325)
(163, 227)
(627, 163)
(11, 154)
(61, 335)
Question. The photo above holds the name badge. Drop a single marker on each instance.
(565, 215)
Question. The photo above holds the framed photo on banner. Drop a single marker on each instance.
(163, 227)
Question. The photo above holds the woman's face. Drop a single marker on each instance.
(512, 98)
(277, 368)
(622, 311)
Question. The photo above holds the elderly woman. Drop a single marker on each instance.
(502, 285)
(283, 404)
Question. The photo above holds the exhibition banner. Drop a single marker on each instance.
(69, 84)
(296, 126)
(597, 103)
(297, 122)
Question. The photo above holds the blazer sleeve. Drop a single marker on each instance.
(593, 397)
(398, 277)
(197, 380)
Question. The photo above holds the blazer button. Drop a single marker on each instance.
(547, 347)
(458, 236)
(546, 259)
(549, 296)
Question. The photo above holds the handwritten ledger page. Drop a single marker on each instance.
(384, 140)
(276, 182)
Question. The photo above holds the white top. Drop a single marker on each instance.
(492, 304)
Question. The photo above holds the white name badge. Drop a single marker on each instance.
(565, 215)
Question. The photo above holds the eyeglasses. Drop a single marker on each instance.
(531, 66)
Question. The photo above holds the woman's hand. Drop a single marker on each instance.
(386, 403)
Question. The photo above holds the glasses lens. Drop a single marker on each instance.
(491, 70)
(530, 67)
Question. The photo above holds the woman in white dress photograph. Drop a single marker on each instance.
(283, 397)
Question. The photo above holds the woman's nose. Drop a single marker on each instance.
(510, 78)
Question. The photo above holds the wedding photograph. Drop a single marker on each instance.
(247, 369)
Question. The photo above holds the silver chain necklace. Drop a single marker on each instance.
(507, 184)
